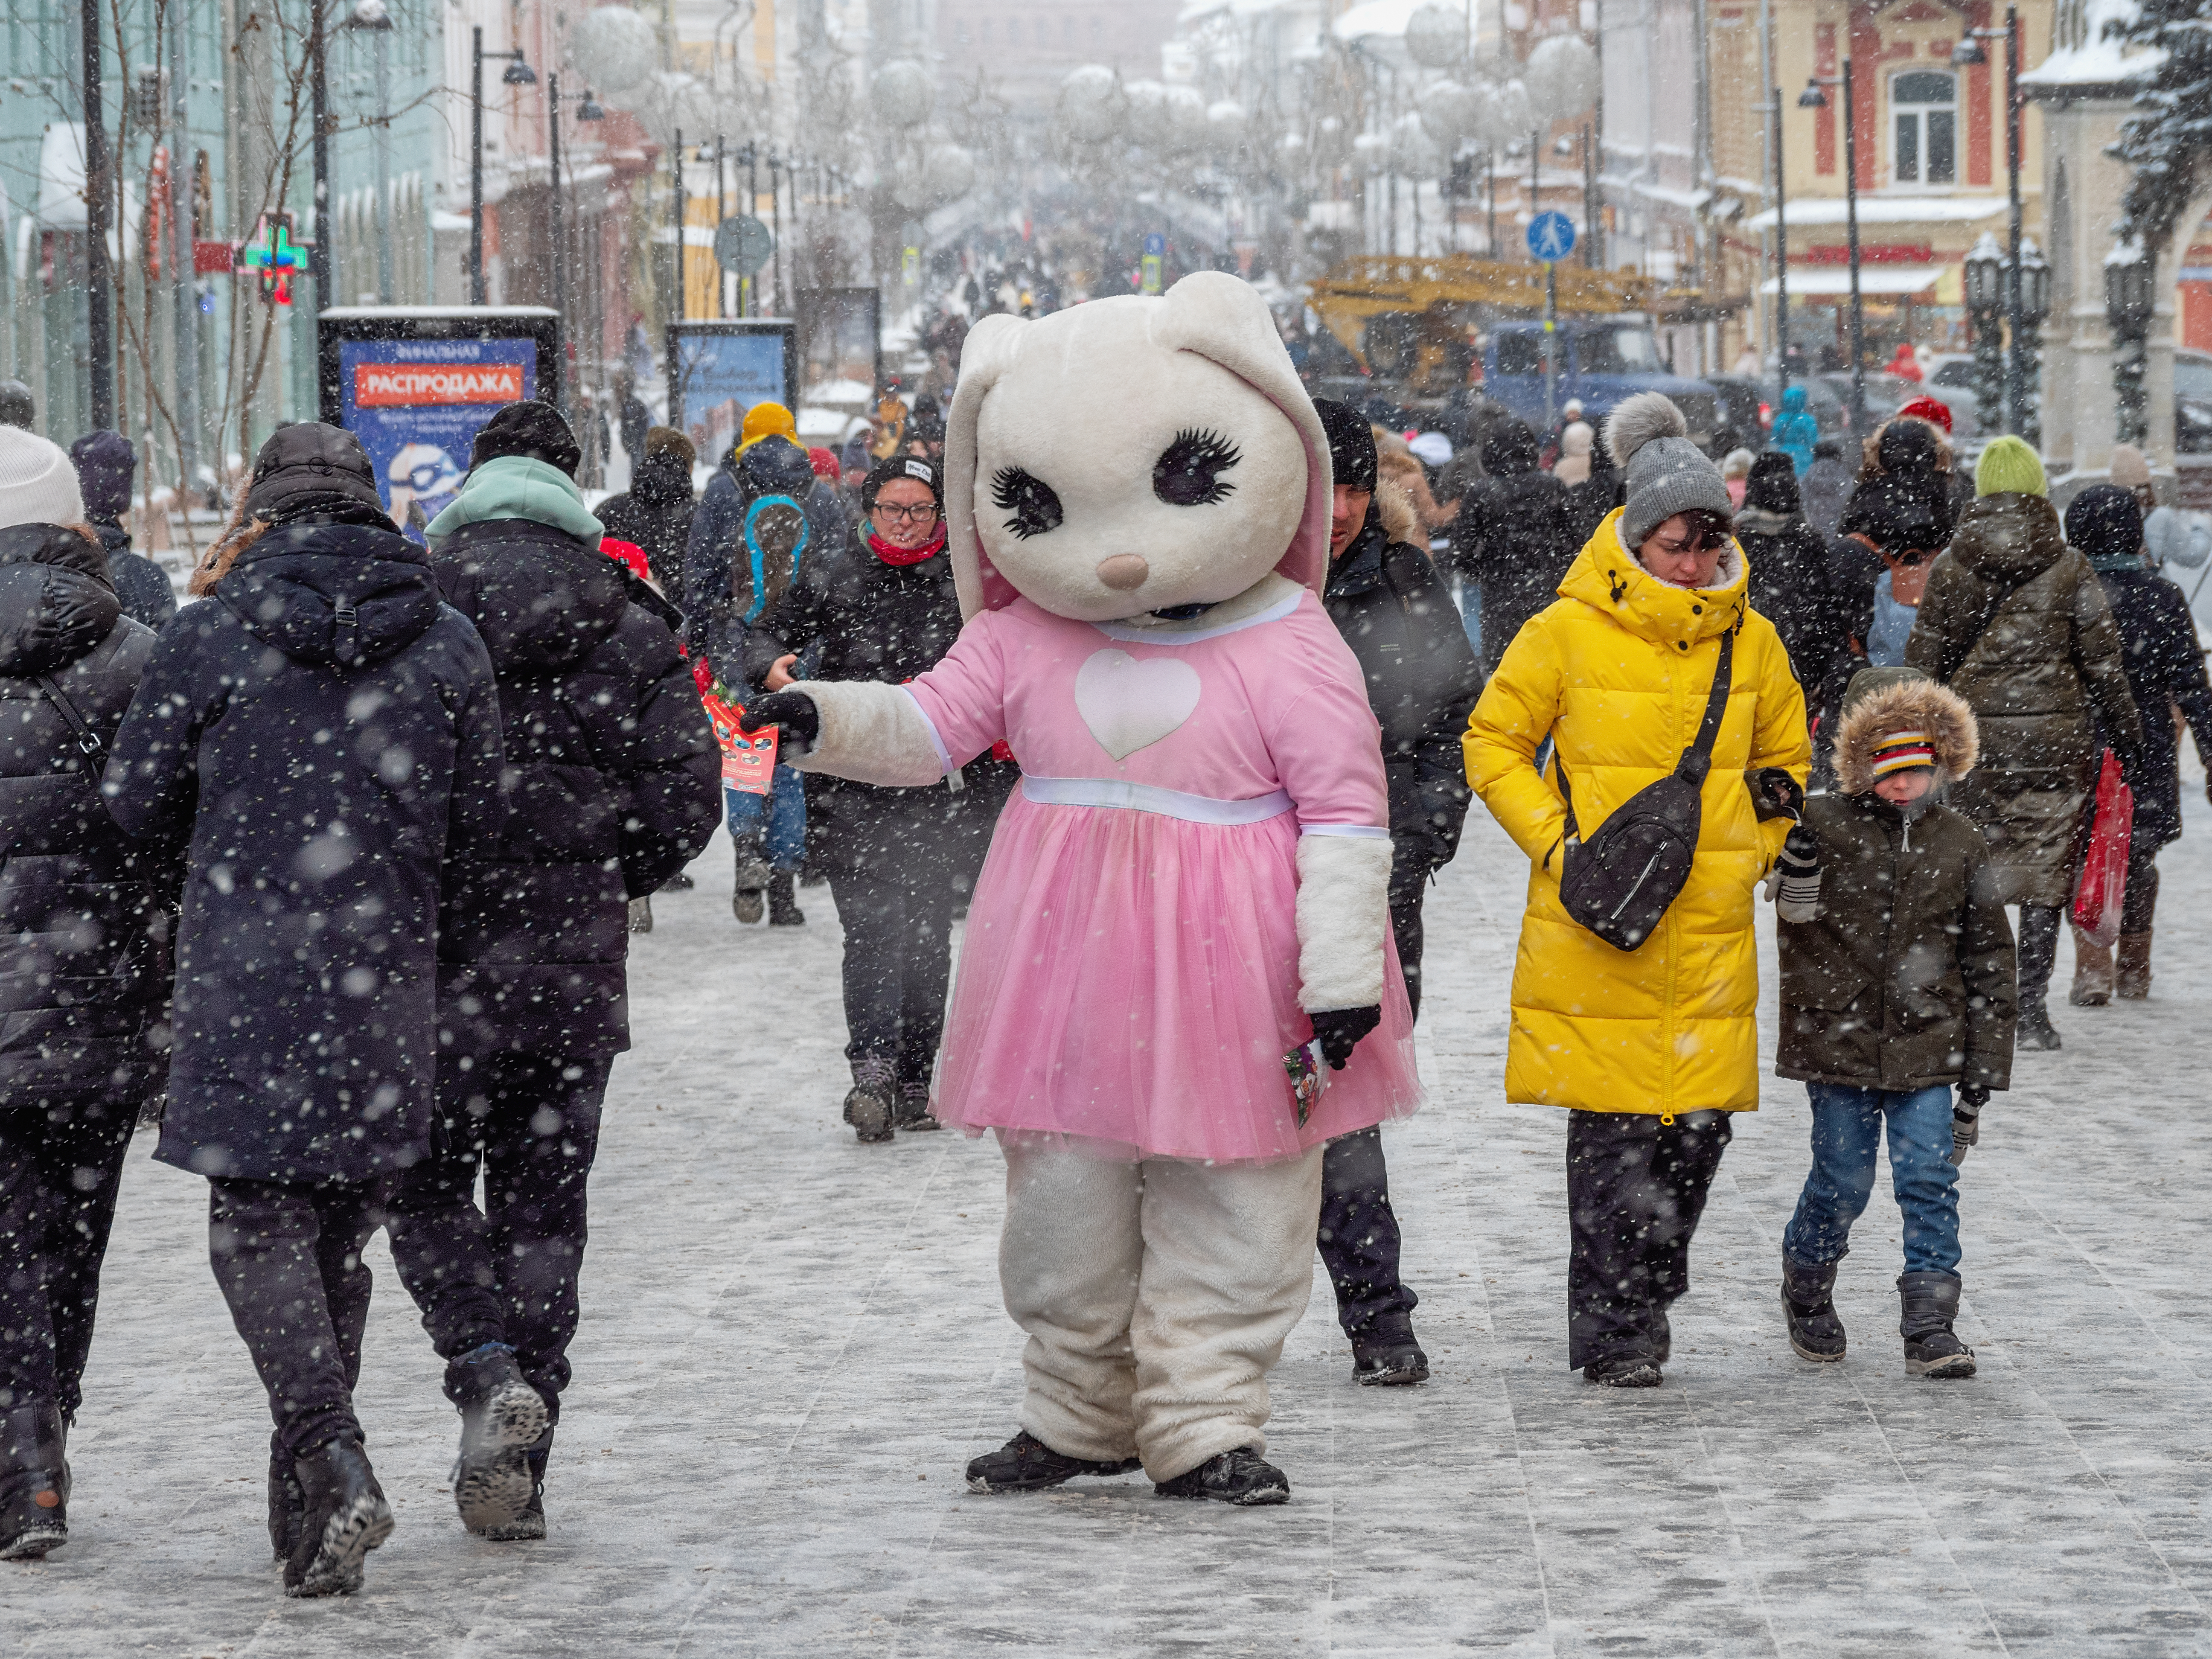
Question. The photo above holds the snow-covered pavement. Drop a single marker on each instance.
(792, 1344)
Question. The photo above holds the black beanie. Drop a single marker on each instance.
(1772, 485)
(2106, 522)
(308, 467)
(1351, 455)
(531, 428)
(105, 464)
(892, 468)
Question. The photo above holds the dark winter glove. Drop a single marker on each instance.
(1794, 886)
(1340, 1031)
(1966, 1120)
(793, 711)
(1774, 793)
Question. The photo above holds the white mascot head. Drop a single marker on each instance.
(1134, 454)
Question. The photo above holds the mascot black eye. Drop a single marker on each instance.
(1036, 509)
(1189, 472)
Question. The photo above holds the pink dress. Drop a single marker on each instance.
(1130, 976)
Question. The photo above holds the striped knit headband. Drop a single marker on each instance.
(1900, 752)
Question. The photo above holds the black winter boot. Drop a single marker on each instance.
(679, 882)
(1931, 1348)
(745, 900)
(1242, 1476)
(1816, 1333)
(1631, 1372)
(33, 1481)
(288, 1506)
(501, 1418)
(1385, 1354)
(1025, 1463)
(345, 1517)
(912, 1112)
(529, 1525)
(783, 909)
(2034, 1030)
(872, 1101)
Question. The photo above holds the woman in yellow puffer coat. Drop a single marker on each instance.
(1649, 1049)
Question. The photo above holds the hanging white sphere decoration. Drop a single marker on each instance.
(902, 93)
(1436, 36)
(614, 49)
(1562, 77)
(1093, 108)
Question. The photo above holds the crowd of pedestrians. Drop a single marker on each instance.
(334, 873)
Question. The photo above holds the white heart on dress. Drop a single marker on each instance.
(1128, 703)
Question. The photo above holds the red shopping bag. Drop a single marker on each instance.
(2104, 871)
(748, 757)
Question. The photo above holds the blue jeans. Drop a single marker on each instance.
(1847, 1130)
(784, 806)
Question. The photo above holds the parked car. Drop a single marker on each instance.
(1601, 361)
(2192, 401)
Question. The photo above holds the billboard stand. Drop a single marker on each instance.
(719, 370)
(416, 383)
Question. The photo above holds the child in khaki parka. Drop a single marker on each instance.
(1898, 983)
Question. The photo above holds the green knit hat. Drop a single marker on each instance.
(2009, 466)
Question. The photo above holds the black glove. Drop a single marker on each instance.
(1340, 1031)
(795, 711)
(1774, 793)
(1966, 1120)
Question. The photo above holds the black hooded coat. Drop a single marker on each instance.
(326, 731)
(655, 513)
(1791, 585)
(84, 910)
(613, 785)
(1515, 535)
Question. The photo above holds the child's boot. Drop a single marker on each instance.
(2132, 979)
(1931, 1348)
(2093, 973)
(1816, 1331)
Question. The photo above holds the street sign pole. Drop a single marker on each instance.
(1551, 238)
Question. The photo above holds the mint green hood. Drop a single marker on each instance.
(517, 487)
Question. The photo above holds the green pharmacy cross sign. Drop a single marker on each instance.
(273, 251)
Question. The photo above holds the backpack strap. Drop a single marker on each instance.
(1697, 760)
(87, 740)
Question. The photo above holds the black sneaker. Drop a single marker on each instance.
(529, 1525)
(1624, 1373)
(1386, 1356)
(912, 1112)
(344, 1518)
(501, 1418)
(1025, 1463)
(1242, 1476)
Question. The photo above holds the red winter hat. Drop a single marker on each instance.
(1927, 408)
(824, 461)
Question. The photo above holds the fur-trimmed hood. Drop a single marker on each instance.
(1905, 705)
(1393, 510)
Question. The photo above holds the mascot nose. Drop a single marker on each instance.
(1123, 572)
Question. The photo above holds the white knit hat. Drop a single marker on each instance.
(38, 482)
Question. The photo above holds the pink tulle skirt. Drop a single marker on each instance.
(1129, 984)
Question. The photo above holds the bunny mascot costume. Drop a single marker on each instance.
(1189, 885)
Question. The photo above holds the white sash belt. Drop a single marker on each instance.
(1146, 797)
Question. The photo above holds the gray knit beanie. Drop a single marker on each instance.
(1664, 471)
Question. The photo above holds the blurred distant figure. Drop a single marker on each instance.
(16, 408)
(1826, 487)
(105, 463)
(1795, 431)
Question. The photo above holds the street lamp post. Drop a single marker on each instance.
(2129, 271)
(1813, 98)
(372, 18)
(318, 251)
(588, 109)
(98, 322)
(518, 73)
(2021, 364)
(2032, 293)
(1781, 260)
(1985, 298)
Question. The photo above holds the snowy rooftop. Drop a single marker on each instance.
(1883, 210)
(2084, 55)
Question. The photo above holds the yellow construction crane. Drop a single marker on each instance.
(1429, 292)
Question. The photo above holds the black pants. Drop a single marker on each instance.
(506, 1272)
(1635, 1189)
(287, 1257)
(1358, 1236)
(61, 1163)
(2140, 903)
(2038, 950)
(898, 955)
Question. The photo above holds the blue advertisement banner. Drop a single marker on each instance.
(416, 406)
(715, 377)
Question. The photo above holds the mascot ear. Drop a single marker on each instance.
(988, 353)
(1223, 318)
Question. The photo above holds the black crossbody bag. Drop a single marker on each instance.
(1619, 882)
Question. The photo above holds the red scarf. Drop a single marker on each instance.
(890, 554)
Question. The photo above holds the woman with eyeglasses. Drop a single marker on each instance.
(1650, 1050)
(900, 861)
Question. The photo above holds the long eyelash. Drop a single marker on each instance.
(1189, 472)
(1209, 448)
(1032, 501)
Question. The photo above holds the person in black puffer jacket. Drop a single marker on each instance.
(105, 465)
(1515, 535)
(1388, 601)
(84, 926)
(1789, 582)
(655, 512)
(2164, 667)
(612, 784)
(326, 731)
(899, 860)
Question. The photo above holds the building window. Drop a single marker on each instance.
(1925, 125)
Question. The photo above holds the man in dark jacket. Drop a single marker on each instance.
(326, 732)
(84, 924)
(899, 860)
(611, 783)
(1513, 537)
(1826, 487)
(655, 512)
(1789, 582)
(105, 463)
(1391, 608)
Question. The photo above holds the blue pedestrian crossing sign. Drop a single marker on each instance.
(1551, 236)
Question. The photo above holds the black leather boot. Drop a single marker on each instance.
(783, 909)
(33, 1481)
(1931, 1348)
(501, 1418)
(345, 1517)
(1386, 1355)
(287, 1505)
(1816, 1333)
